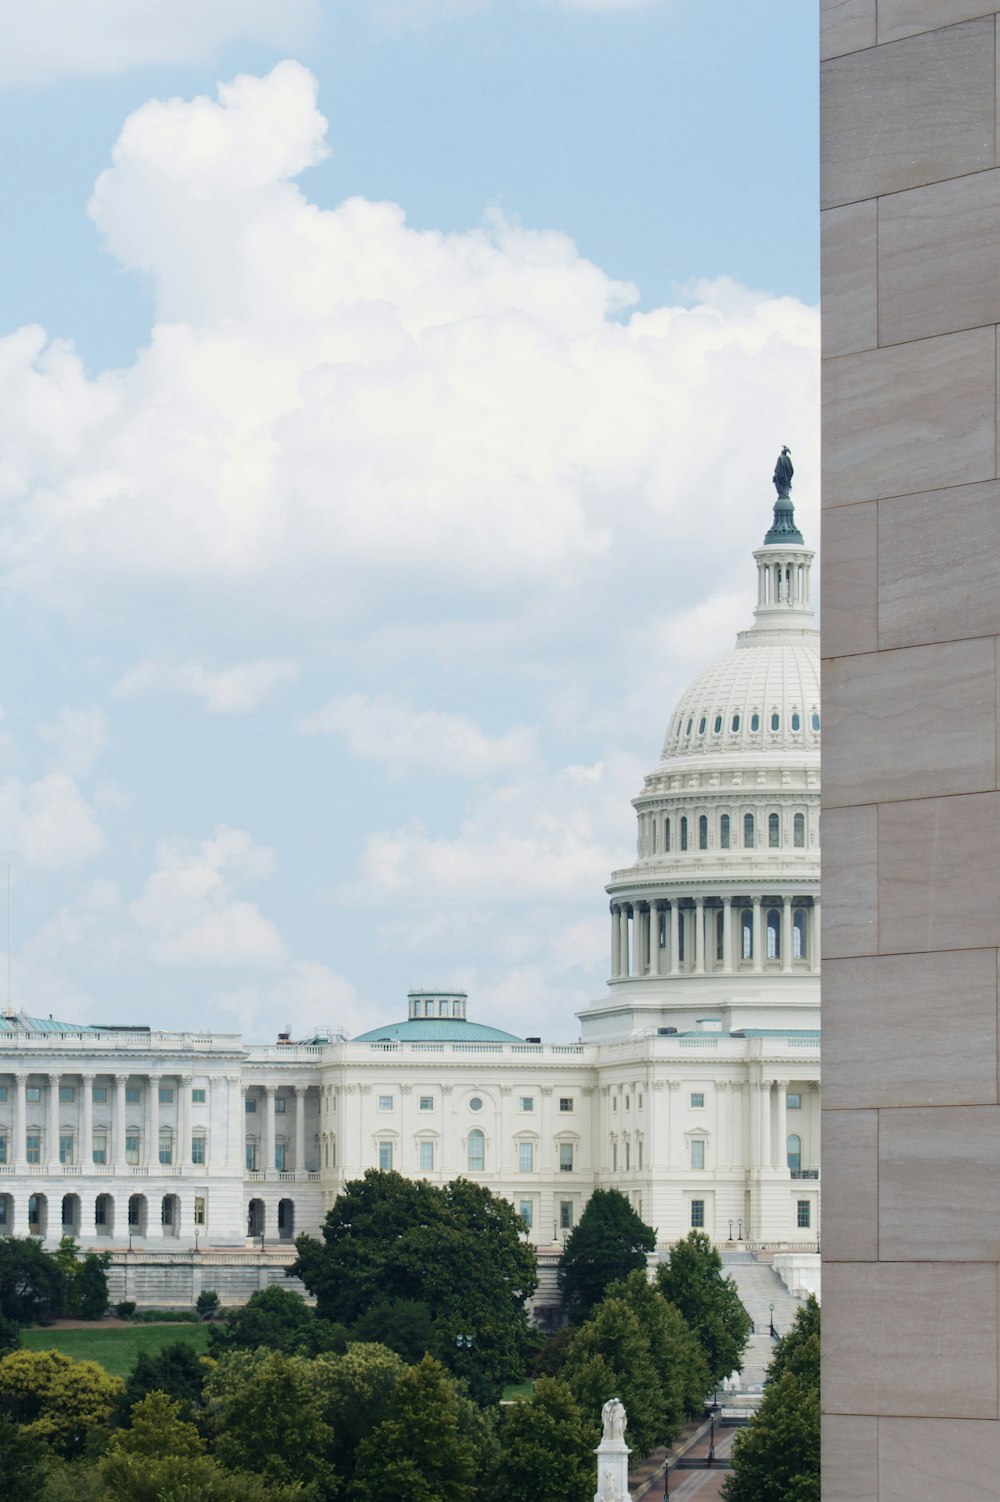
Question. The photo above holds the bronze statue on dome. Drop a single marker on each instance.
(783, 472)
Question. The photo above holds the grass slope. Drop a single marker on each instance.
(116, 1348)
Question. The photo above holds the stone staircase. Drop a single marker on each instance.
(759, 1287)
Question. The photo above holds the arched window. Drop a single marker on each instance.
(701, 725)
(718, 724)
(628, 1155)
(796, 721)
(680, 918)
(736, 723)
(703, 832)
(724, 832)
(639, 1147)
(689, 724)
(666, 834)
(755, 721)
(799, 831)
(773, 831)
(815, 720)
(795, 1153)
(476, 1151)
(746, 930)
(775, 721)
(653, 823)
(614, 1157)
(719, 931)
(773, 934)
(684, 832)
(799, 932)
(748, 832)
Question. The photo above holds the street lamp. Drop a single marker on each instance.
(464, 1342)
(772, 1331)
(739, 1233)
(666, 1481)
(713, 1410)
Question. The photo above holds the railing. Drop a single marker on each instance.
(805, 1173)
(96, 1041)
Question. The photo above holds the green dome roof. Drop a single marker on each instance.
(436, 1030)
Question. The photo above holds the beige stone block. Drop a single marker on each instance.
(850, 1184)
(910, 1339)
(849, 272)
(939, 1190)
(845, 26)
(910, 417)
(850, 882)
(937, 1460)
(938, 269)
(903, 18)
(915, 111)
(939, 874)
(938, 565)
(850, 1459)
(889, 1039)
(910, 723)
(849, 607)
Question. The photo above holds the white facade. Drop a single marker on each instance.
(694, 1088)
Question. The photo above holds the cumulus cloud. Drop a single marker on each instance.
(78, 737)
(233, 690)
(385, 730)
(334, 406)
(307, 998)
(46, 39)
(48, 824)
(188, 912)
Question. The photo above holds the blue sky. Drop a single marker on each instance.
(368, 375)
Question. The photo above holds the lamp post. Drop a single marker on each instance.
(739, 1233)
(713, 1410)
(730, 1230)
(772, 1331)
(666, 1481)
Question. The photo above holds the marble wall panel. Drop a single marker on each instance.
(846, 26)
(850, 1185)
(849, 613)
(939, 873)
(903, 18)
(850, 882)
(850, 1459)
(937, 1170)
(928, 1460)
(938, 565)
(850, 303)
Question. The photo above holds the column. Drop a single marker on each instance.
(642, 941)
(699, 936)
(815, 936)
(722, 1130)
(781, 1146)
(118, 1125)
(153, 1145)
(20, 1119)
(764, 1095)
(623, 940)
(654, 939)
(727, 936)
(236, 1127)
(269, 1093)
(300, 1131)
(736, 1124)
(184, 1122)
(616, 942)
(758, 948)
(673, 1086)
(86, 1153)
(52, 1130)
(675, 937)
(786, 933)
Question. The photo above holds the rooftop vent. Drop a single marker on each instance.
(532, 1040)
(665, 1032)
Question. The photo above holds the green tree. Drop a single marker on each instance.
(56, 1401)
(92, 1284)
(31, 1282)
(545, 1450)
(675, 1350)
(692, 1281)
(605, 1246)
(21, 1470)
(422, 1450)
(777, 1457)
(177, 1371)
(266, 1415)
(279, 1319)
(356, 1390)
(610, 1358)
(10, 1335)
(404, 1325)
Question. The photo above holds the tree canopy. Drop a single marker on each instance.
(608, 1243)
(675, 1351)
(56, 1401)
(421, 1450)
(777, 1457)
(545, 1449)
(31, 1281)
(692, 1281)
(279, 1319)
(610, 1358)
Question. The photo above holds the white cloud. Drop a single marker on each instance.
(188, 913)
(335, 409)
(46, 39)
(385, 730)
(233, 690)
(78, 737)
(48, 824)
(307, 998)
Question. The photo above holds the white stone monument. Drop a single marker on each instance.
(612, 1455)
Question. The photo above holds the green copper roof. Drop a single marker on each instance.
(783, 528)
(436, 1030)
(22, 1023)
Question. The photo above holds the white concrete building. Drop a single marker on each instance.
(694, 1087)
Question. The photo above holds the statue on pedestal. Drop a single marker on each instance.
(614, 1419)
(613, 1454)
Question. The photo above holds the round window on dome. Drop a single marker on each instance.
(736, 723)
(718, 724)
(475, 1104)
(701, 725)
(796, 721)
(755, 722)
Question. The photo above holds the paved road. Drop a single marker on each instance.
(698, 1486)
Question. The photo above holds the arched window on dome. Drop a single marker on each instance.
(746, 934)
(703, 832)
(773, 832)
(688, 729)
(719, 936)
(476, 1153)
(773, 934)
(748, 832)
(755, 721)
(775, 721)
(684, 832)
(794, 1150)
(653, 833)
(666, 834)
(718, 725)
(815, 720)
(701, 725)
(736, 723)
(800, 929)
(796, 720)
(799, 831)
(724, 832)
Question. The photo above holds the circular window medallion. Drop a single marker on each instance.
(475, 1104)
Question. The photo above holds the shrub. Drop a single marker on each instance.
(125, 1308)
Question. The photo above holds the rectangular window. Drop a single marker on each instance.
(385, 1102)
(100, 1095)
(794, 1102)
(167, 1210)
(565, 1157)
(133, 1095)
(802, 1214)
(3, 1092)
(66, 1149)
(697, 1100)
(199, 1097)
(101, 1211)
(250, 1105)
(166, 1149)
(132, 1148)
(280, 1102)
(3, 1147)
(697, 1154)
(427, 1103)
(426, 1157)
(385, 1157)
(166, 1095)
(100, 1149)
(614, 1103)
(526, 1210)
(251, 1157)
(526, 1157)
(199, 1210)
(698, 1214)
(198, 1149)
(33, 1147)
(3, 1212)
(566, 1215)
(565, 1103)
(279, 1156)
(527, 1102)
(33, 1094)
(67, 1092)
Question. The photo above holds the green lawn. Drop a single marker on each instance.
(115, 1347)
(518, 1390)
